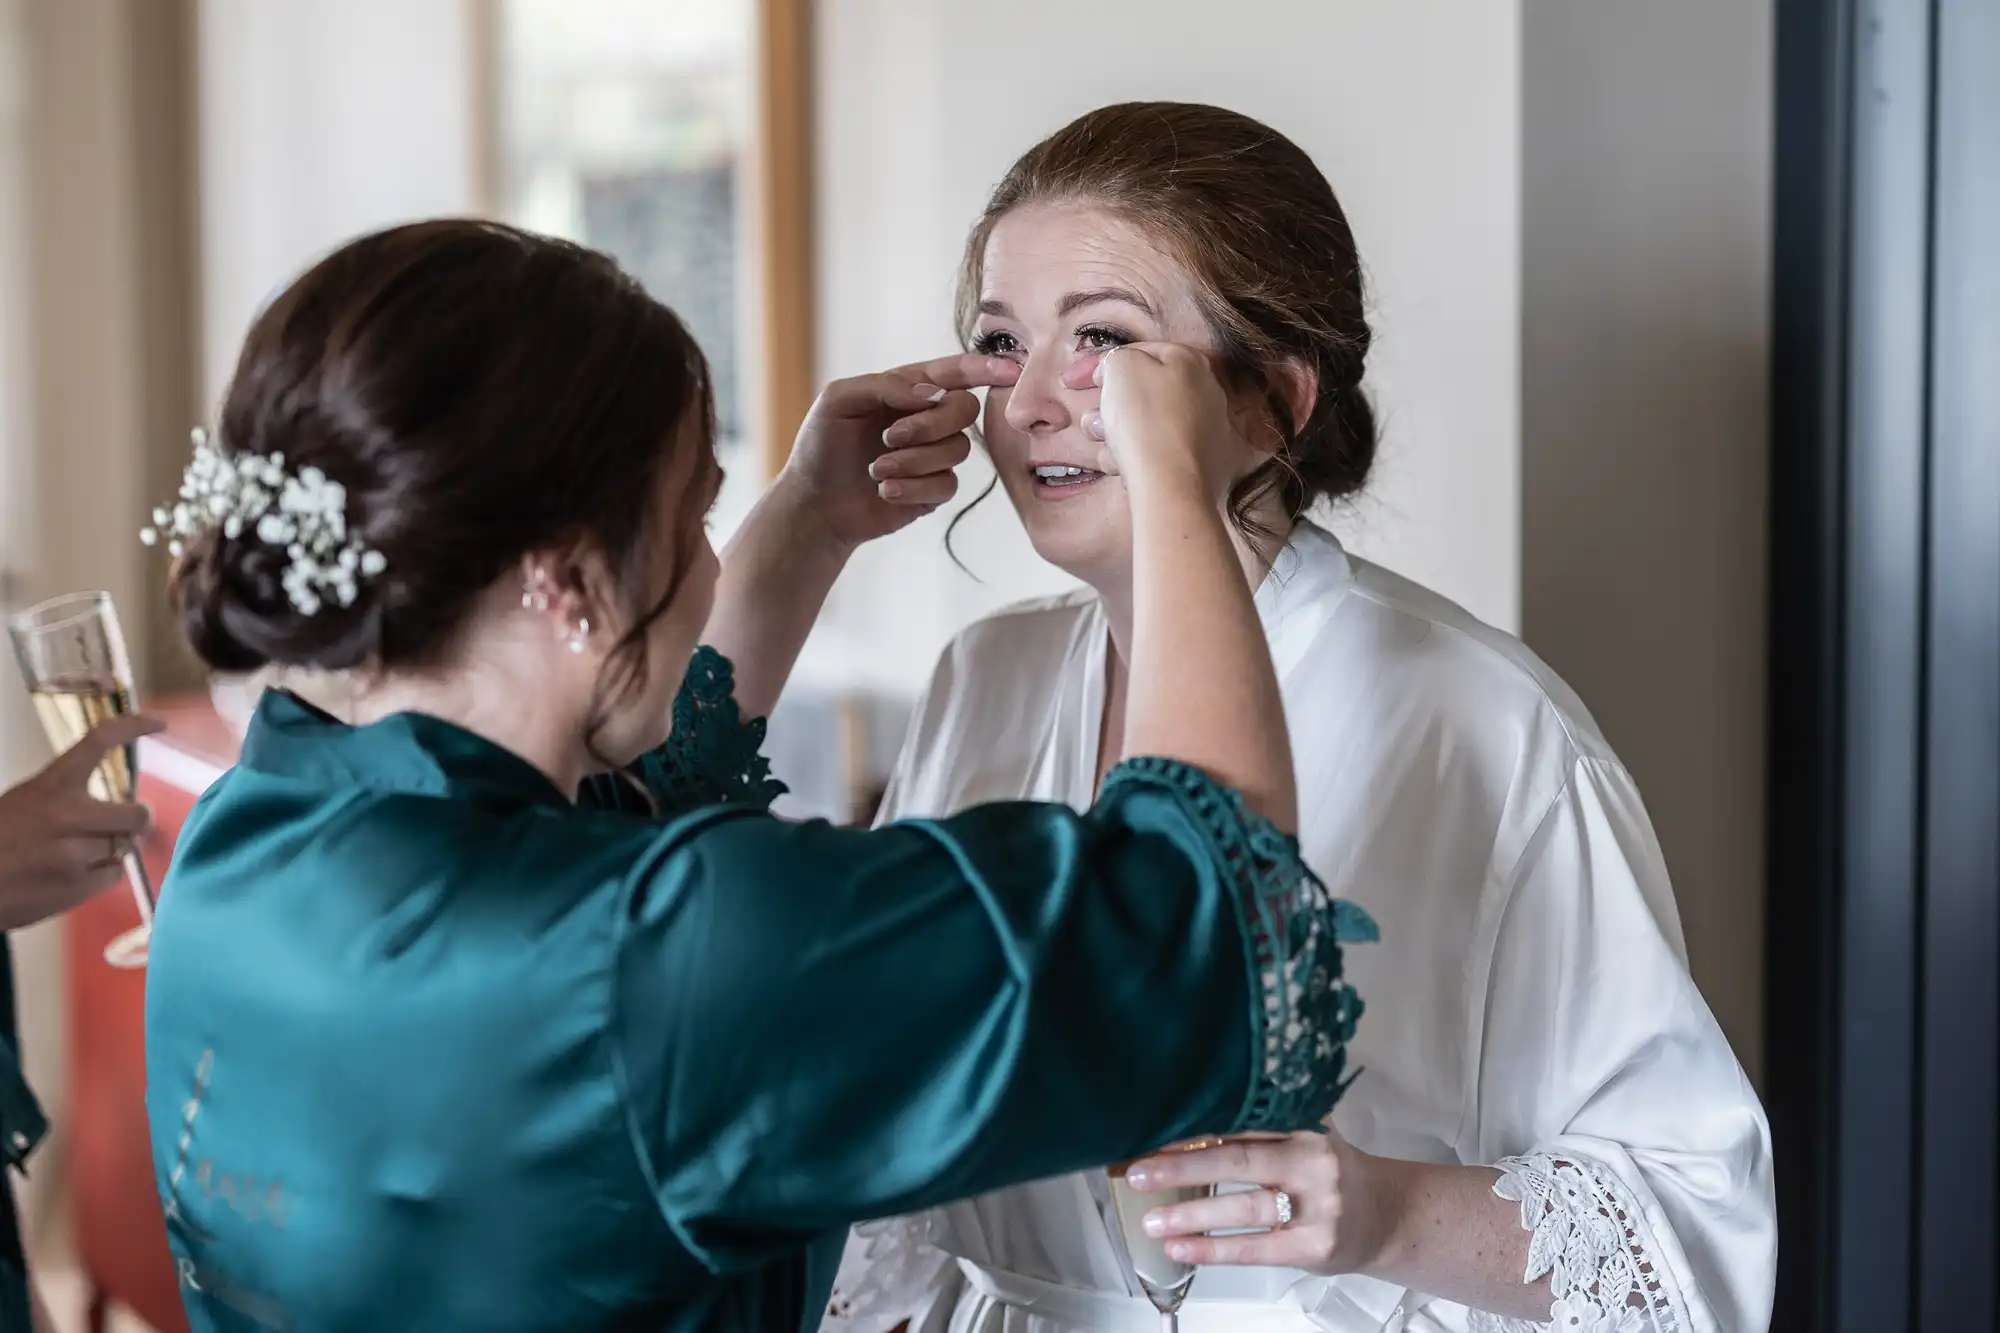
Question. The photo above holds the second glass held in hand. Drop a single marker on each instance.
(72, 655)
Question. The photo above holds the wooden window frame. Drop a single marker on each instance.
(781, 199)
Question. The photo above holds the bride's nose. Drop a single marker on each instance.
(1039, 403)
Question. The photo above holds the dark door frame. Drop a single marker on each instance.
(1883, 973)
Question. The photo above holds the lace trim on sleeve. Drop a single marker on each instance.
(713, 755)
(1293, 930)
(1590, 1239)
(888, 1274)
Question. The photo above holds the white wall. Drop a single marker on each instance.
(1647, 180)
(20, 747)
(321, 119)
(1411, 109)
(15, 475)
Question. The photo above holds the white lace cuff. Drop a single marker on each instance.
(889, 1273)
(1590, 1238)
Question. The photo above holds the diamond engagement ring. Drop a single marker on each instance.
(1284, 1206)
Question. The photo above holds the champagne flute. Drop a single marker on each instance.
(72, 654)
(1164, 1279)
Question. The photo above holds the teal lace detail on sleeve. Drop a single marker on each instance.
(713, 756)
(1305, 1013)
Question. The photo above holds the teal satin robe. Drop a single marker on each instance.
(431, 1047)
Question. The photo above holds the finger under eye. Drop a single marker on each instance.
(920, 491)
(958, 410)
(967, 370)
(1082, 373)
(921, 460)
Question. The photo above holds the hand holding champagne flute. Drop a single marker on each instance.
(1164, 1279)
(59, 845)
(72, 655)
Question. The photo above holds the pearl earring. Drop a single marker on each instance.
(535, 592)
(579, 633)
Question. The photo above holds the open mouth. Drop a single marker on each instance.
(1057, 477)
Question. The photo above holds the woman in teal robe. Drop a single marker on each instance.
(486, 1008)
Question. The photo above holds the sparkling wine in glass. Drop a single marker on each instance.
(1164, 1279)
(72, 655)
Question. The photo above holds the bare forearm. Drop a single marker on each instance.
(776, 574)
(1450, 1236)
(1202, 689)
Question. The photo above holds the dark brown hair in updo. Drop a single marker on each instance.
(1258, 229)
(482, 393)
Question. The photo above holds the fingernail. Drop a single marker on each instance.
(884, 467)
(1155, 1224)
(1140, 1180)
(1093, 425)
(930, 393)
(891, 489)
(896, 436)
(1001, 368)
(1181, 1253)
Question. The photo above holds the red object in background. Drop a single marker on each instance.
(121, 1238)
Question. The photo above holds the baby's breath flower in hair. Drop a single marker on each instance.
(253, 495)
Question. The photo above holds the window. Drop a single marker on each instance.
(644, 129)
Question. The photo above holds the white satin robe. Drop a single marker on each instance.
(1529, 1005)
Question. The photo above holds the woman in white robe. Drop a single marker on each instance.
(1548, 1125)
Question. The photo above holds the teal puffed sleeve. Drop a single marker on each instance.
(818, 1025)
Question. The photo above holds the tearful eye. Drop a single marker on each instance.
(1097, 339)
(997, 342)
